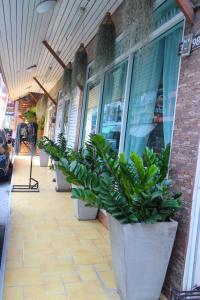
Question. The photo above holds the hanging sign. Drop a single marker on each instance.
(10, 110)
(190, 44)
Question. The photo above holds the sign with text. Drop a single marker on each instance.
(10, 110)
(188, 46)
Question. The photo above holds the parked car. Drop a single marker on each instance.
(5, 156)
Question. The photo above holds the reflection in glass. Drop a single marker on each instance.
(66, 120)
(153, 95)
(92, 105)
(113, 101)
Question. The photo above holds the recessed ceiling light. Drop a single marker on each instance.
(31, 68)
(45, 5)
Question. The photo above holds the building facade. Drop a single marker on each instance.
(148, 97)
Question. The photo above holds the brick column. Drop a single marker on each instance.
(184, 154)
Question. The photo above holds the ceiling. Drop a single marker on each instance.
(22, 31)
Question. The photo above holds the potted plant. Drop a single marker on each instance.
(30, 115)
(140, 207)
(41, 123)
(56, 151)
(84, 158)
(44, 156)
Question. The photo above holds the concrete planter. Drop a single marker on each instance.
(141, 254)
(82, 212)
(61, 183)
(44, 158)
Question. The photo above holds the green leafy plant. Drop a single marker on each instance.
(131, 191)
(56, 150)
(41, 123)
(30, 115)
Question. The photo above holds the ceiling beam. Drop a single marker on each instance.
(33, 97)
(45, 91)
(187, 8)
(55, 55)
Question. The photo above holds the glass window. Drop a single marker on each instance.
(153, 94)
(66, 118)
(113, 101)
(92, 105)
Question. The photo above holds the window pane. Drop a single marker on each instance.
(66, 120)
(153, 95)
(92, 105)
(113, 100)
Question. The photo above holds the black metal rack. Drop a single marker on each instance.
(32, 186)
(185, 295)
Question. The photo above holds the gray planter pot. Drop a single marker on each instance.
(61, 183)
(82, 212)
(141, 254)
(44, 158)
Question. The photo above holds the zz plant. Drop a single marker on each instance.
(56, 150)
(131, 191)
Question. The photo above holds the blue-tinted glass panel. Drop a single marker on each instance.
(113, 103)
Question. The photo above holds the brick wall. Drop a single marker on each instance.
(184, 154)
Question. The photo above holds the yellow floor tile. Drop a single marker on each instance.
(53, 284)
(71, 277)
(33, 292)
(87, 257)
(22, 276)
(51, 255)
(87, 273)
(13, 293)
(102, 267)
(90, 290)
(108, 279)
(57, 268)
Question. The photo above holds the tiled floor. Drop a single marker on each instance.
(51, 255)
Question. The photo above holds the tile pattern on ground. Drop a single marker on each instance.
(51, 255)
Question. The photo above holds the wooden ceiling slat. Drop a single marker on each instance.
(72, 44)
(13, 41)
(62, 18)
(28, 38)
(19, 16)
(28, 29)
(23, 49)
(6, 59)
(95, 14)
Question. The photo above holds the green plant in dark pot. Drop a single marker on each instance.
(140, 204)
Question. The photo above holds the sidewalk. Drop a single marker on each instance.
(51, 255)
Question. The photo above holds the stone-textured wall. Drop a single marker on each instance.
(184, 154)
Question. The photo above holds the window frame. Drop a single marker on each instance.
(127, 55)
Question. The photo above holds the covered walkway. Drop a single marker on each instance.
(51, 255)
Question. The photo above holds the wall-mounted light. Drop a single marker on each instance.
(31, 68)
(45, 6)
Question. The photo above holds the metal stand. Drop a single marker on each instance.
(185, 295)
(33, 185)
